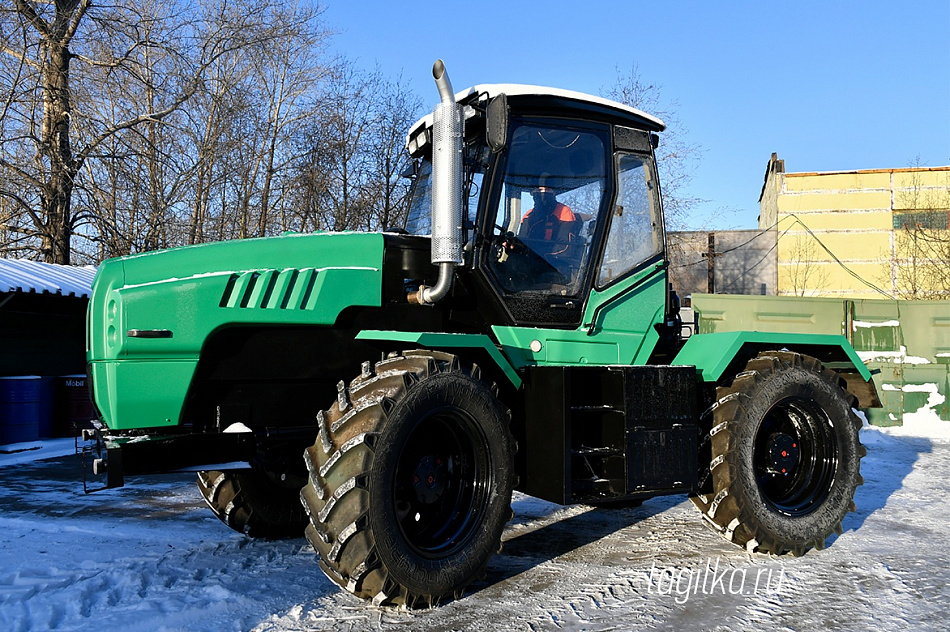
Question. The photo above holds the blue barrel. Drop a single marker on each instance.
(20, 408)
(47, 407)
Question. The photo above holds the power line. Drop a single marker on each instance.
(728, 250)
(756, 264)
(810, 232)
(837, 260)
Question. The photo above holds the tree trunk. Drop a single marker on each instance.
(56, 149)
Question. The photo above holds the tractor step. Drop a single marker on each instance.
(605, 433)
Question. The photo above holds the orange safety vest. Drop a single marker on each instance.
(549, 227)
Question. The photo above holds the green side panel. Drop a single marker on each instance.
(194, 291)
(906, 344)
(150, 393)
(437, 340)
(875, 326)
(916, 389)
(619, 328)
(712, 353)
(921, 327)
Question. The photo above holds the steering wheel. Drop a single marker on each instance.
(522, 261)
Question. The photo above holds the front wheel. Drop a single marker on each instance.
(785, 455)
(410, 480)
(254, 502)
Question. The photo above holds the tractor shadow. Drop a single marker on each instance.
(541, 532)
(889, 461)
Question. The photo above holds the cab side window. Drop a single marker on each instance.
(636, 227)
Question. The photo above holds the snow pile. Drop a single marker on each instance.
(924, 422)
(898, 357)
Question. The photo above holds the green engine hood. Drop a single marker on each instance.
(150, 314)
(172, 299)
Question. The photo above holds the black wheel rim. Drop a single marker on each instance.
(795, 456)
(442, 481)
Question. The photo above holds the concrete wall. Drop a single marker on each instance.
(744, 262)
(906, 344)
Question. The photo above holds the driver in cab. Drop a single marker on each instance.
(550, 228)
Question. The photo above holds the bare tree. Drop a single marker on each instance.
(288, 78)
(676, 155)
(72, 48)
(347, 117)
(170, 123)
(397, 109)
(921, 255)
(806, 274)
(335, 172)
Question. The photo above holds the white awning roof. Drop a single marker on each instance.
(21, 275)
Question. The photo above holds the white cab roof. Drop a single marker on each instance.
(491, 90)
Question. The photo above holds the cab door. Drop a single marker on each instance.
(549, 198)
(602, 307)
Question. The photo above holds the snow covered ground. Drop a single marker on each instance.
(150, 556)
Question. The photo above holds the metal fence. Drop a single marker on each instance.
(905, 344)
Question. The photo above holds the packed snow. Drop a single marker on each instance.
(151, 556)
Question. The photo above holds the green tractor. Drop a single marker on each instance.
(518, 334)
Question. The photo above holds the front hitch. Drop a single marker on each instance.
(105, 461)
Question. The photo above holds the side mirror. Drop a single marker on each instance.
(496, 126)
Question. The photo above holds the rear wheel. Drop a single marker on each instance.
(410, 480)
(253, 503)
(785, 455)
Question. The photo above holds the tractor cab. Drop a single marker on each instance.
(559, 195)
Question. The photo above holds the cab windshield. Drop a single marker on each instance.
(476, 159)
(553, 189)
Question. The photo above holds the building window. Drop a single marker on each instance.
(911, 220)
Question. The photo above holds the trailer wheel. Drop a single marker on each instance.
(785, 455)
(410, 480)
(251, 503)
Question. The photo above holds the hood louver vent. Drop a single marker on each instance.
(270, 289)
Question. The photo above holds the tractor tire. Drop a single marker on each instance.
(785, 455)
(410, 480)
(251, 503)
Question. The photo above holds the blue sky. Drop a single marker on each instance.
(827, 85)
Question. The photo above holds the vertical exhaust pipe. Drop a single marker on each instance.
(446, 190)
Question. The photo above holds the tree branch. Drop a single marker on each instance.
(23, 59)
(74, 22)
(133, 122)
(35, 20)
(23, 205)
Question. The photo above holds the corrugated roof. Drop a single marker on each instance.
(21, 275)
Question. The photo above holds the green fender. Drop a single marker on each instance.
(436, 340)
(712, 353)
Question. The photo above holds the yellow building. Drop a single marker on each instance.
(859, 234)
